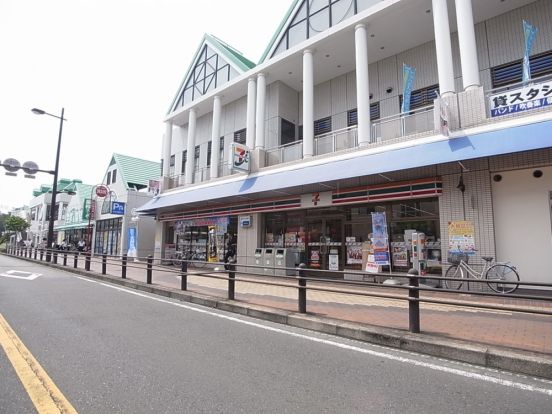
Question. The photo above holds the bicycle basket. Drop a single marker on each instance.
(455, 258)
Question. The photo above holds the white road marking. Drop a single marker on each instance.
(19, 274)
(435, 367)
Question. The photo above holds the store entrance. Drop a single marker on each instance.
(325, 243)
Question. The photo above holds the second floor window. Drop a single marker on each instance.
(512, 72)
(352, 115)
(114, 176)
(108, 177)
(221, 149)
(422, 97)
(209, 145)
(196, 158)
(323, 126)
(184, 159)
(240, 136)
(287, 132)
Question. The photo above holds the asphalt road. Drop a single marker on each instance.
(113, 350)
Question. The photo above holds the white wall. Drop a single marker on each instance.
(523, 228)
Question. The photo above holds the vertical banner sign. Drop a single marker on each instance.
(408, 83)
(529, 32)
(461, 237)
(380, 239)
(132, 251)
(212, 250)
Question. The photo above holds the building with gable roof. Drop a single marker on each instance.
(414, 109)
(128, 181)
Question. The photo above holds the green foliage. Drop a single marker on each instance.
(16, 224)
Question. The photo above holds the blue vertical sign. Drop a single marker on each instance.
(408, 83)
(530, 32)
(132, 242)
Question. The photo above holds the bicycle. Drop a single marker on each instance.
(194, 258)
(501, 277)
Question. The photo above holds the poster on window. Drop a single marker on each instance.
(314, 258)
(380, 240)
(461, 237)
(354, 253)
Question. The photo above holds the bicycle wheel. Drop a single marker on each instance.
(502, 277)
(454, 272)
(197, 262)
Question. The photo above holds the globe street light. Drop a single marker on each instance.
(54, 186)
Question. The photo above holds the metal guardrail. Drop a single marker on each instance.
(304, 280)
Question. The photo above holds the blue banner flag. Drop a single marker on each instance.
(408, 82)
(530, 32)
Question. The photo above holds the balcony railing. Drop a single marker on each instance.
(400, 127)
(336, 140)
(285, 153)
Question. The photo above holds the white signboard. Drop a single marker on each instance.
(521, 99)
(240, 157)
(320, 199)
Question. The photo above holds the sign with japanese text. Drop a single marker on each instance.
(461, 237)
(380, 240)
(102, 191)
(521, 99)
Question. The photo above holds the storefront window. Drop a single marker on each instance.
(108, 236)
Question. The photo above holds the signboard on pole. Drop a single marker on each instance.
(117, 208)
(102, 191)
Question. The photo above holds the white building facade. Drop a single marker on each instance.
(329, 144)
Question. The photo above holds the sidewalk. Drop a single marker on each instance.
(521, 331)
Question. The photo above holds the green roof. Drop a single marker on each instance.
(64, 185)
(228, 52)
(136, 172)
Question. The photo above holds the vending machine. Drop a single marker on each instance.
(419, 253)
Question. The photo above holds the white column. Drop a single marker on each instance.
(167, 144)
(468, 47)
(190, 148)
(362, 85)
(251, 95)
(260, 118)
(443, 47)
(308, 104)
(215, 136)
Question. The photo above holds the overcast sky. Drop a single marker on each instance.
(115, 66)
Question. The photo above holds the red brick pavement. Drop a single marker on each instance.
(509, 329)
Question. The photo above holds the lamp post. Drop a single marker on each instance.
(54, 186)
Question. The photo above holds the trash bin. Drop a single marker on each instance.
(268, 261)
(284, 262)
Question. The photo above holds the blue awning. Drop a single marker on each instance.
(504, 141)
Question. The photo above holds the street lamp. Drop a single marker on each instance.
(54, 187)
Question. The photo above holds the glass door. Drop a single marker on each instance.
(325, 244)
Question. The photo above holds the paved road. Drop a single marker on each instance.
(113, 350)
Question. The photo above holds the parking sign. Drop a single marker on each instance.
(117, 208)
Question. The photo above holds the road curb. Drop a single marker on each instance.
(519, 361)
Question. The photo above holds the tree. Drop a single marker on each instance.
(16, 224)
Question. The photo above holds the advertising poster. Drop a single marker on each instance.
(400, 256)
(212, 245)
(354, 253)
(333, 261)
(314, 258)
(132, 251)
(380, 239)
(461, 237)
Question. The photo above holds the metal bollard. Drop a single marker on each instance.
(25, 250)
(87, 261)
(184, 275)
(76, 260)
(64, 259)
(41, 254)
(55, 256)
(413, 303)
(232, 279)
(35, 252)
(302, 289)
(104, 264)
(124, 266)
(150, 270)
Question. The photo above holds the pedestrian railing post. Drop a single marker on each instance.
(302, 289)
(64, 259)
(25, 252)
(35, 252)
(87, 261)
(104, 264)
(41, 254)
(150, 270)
(124, 266)
(76, 260)
(232, 279)
(413, 303)
(184, 275)
(55, 256)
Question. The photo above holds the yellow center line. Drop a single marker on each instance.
(44, 394)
